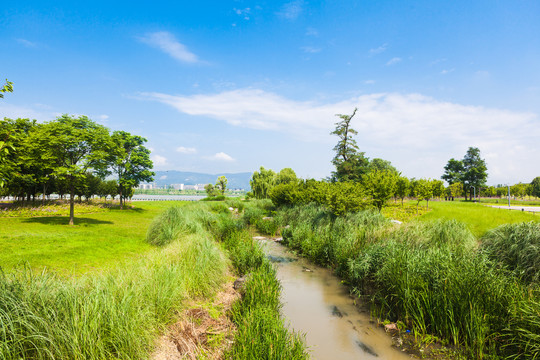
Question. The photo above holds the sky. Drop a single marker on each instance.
(229, 86)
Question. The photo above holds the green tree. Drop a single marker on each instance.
(455, 190)
(349, 162)
(130, 161)
(343, 197)
(438, 188)
(210, 190)
(77, 144)
(535, 186)
(403, 185)
(424, 191)
(286, 176)
(7, 87)
(261, 182)
(381, 164)
(453, 171)
(221, 184)
(379, 186)
(474, 171)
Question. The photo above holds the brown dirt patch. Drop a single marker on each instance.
(197, 333)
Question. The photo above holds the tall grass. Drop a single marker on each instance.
(430, 275)
(114, 315)
(516, 247)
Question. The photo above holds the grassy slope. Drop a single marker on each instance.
(478, 217)
(97, 240)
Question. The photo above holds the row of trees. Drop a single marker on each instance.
(70, 151)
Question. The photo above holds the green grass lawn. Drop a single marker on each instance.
(96, 241)
(478, 217)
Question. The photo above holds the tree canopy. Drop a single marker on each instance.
(471, 171)
(349, 162)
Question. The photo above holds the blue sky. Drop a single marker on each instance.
(228, 86)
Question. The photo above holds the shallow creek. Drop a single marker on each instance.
(316, 304)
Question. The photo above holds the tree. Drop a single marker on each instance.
(438, 188)
(261, 182)
(474, 171)
(210, 190)
(453, 171)
(402, 187)
(455, 190)
(379, 186)
(381, 164)
(221, 184)
(77, 145)
(131, 162)
(535, 186)
(7, 87)
(350, 164)
(424, 191)
(286, 176)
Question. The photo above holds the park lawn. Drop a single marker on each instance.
(96, 241)
(478, 217)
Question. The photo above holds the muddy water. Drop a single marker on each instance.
(318, 305)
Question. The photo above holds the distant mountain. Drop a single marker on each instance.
(235, 181)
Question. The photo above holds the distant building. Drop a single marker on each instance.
(146, 186)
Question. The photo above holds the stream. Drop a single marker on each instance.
(317, 304)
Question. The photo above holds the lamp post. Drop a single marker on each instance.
(474, 189)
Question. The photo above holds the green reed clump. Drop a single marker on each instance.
(262, 333)
(113, 315)
(245, 253)
(517, 248)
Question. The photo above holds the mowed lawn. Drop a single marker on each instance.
(478, 217)
(96, 241)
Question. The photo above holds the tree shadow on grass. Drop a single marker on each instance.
(64, 220)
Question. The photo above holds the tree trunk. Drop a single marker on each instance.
(72, 203)
(121, 199)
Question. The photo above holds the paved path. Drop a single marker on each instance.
(517, 207)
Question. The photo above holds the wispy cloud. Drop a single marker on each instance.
(159, 160)
(447, 71)
(393, 61)
(167, 43)
(221, 156)
(369, 82)
(312, 32)
(244, 13)
(310, 49)
(378, 50)
(27, 43)
(291, 10)
(186, 150)
(400, 127)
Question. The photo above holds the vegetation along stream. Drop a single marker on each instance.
(317, 304)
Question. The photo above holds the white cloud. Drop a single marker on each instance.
(291, 10)
(159, 160)
(447, 71)
(243, 12)
(27, 43)
(369, 82)
(393, 61)
(167, 43)
(39, 112)
(378, 50)
(163, 177)
(186, 150)
(311, 31)
(220, 156)
(417, 133)
(310, 49)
